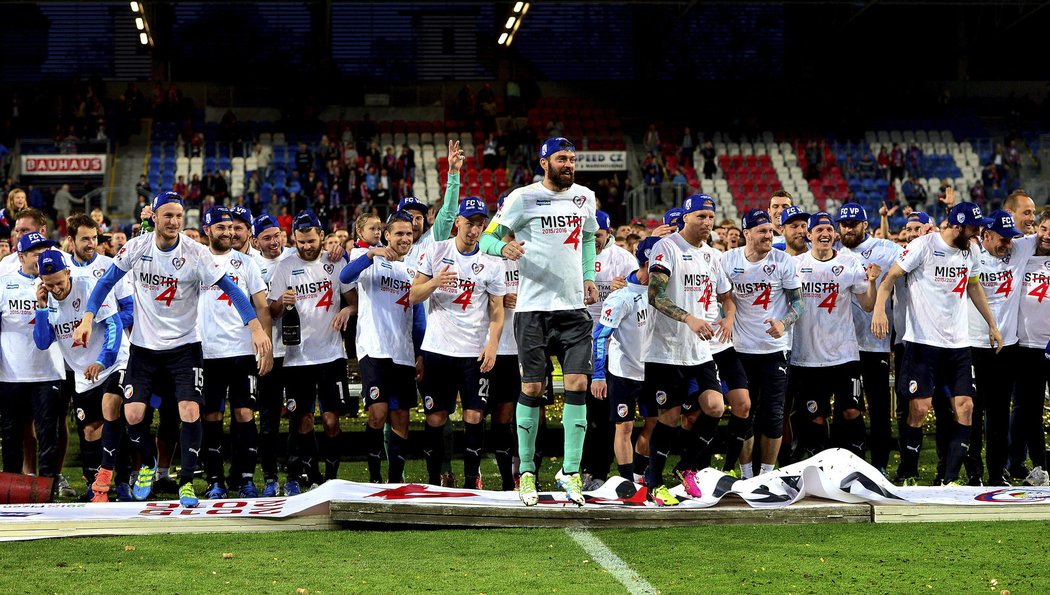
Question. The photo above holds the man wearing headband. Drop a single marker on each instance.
(229, 364)
(768, 302)
(97, 368)
(825, 357)
(1002, 254)
(168, 273)
(942, 275)
(29, 378)
(554, 223)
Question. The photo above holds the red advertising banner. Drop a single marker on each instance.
(63, 165)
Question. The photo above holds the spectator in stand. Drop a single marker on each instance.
(350, 154)
(914, 193)
(867, 166)
(814, 160)
(208, 186)
(896, 162)
(142, 188)
(263, 154)
(710, 165)
(140, 204)
(195, 189)
(406, 164)
(554, 126)
(913, 160)
(651, 141)
(685, 152)
(180, 186)
(486, 110)
(883, 162)
(304, 161)
(284, 220)
(490, 153)
(389, 160)
(977, 195)
(220, 188)
(733, 237)
(652, 175)
(63, 202)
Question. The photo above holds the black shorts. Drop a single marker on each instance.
(730, 370)
(925, 368)
(565, 334)
(502, 384)
(233, 379)
(668, 385)
(271, 387)
(88, 404)
(178, 372)
(814, 387)
(317, 383)
(767, 375)
(444, 376)
(383, 381)
(623, 395)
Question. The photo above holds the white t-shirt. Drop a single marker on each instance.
(1000, 280)
(694, 281)
(508, 345)
(9, 264)
(459, 316)
(167, 287)
(613, 261)
(266, 269)
(551, 225)
(627, 312)
(883, 253)
(20, 360)
(318, 295)
(222, 331)
(759, 291)
(98, 267)
(824, 335)
(384, 314)
(64, 317)
(713, 313)
(1033, 319)
(425, 241)
(938, 274)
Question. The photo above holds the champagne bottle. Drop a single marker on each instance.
(290, 330)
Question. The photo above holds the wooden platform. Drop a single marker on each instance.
(938, 513)
(88, 528)
(729, 512)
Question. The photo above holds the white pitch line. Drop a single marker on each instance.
(601, 553)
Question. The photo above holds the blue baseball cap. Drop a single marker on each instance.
(215, 215)
(851, 211)
(411, 202)
(821, 218)
(603, 219)
(641, 252)
(673, 216)
(1003, 224)
(305, 220)
(555, 144)
(262, 223)
(698, 202)
(967, 213)
(241, 212)
(31, 240)
(472, 206)
(51, 261)
(754, 218)
(920, 216)
(791, 213)
(164, 198)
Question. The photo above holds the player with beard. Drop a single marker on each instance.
(874, 352)
(793, 224)
(556, 219)
(27, 220)
(1033, 329)
(271, 250)
(388, 338)
(168, 272)
(242, 230)
(229, 365)
(825, 357)
(779, 201)
(98, 368)
(612, 264)
(1002, 255)
(768, 303)
(309, 281)
(464, 288)
(936, 347)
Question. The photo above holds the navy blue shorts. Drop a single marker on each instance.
(231, 379)
(730, 370)
(926, 367)
(383, 381)
(444, 376)
(624, 396)
(669, 385)
(317, 383)
(814, 387)
(178, 372)
(502, 384)
(88, 404)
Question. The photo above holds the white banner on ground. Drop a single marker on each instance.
(64, 165)
(601, 160)
(834, 474)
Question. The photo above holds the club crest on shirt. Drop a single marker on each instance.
(1046, 264)
(837, 270)
(621, 410)
(867, 253)
(97, 273)
(236, 262)
(76, 304)
(769, 269)
(477, 267)
(707, 257)
(178, 262)
(329, 268)
(579, 200)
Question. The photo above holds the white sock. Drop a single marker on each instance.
(747, 471)
(766, 468)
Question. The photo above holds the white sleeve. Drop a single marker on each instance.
(613, 312)
(789, 274)
(912, 256)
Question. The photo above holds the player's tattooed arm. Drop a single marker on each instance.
(659, 299)
(795, 306)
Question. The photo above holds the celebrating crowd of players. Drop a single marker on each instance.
(792, 332)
